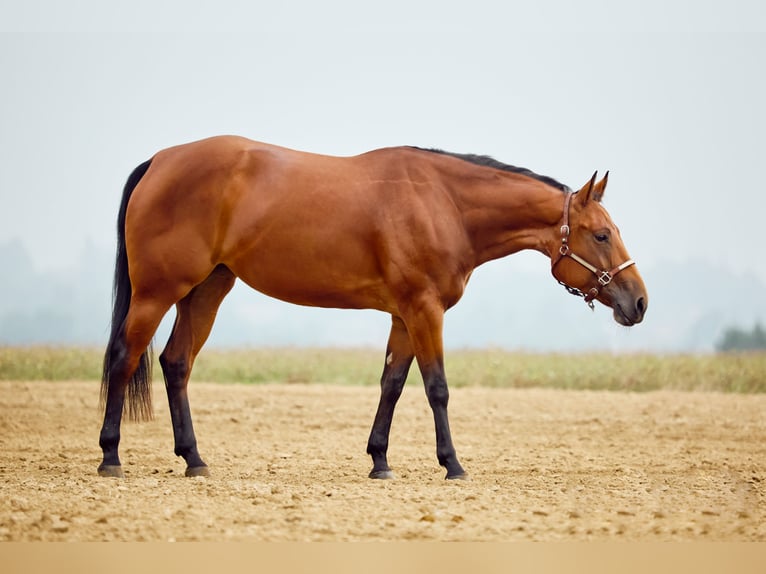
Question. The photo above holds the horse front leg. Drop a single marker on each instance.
(399, 357)
(424, 322)
(438, 398)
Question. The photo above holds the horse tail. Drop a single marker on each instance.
(139, 398)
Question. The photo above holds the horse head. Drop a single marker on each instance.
(590, 259)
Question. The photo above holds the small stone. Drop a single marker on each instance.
(59, 526)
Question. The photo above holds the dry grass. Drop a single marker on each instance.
(741, 373)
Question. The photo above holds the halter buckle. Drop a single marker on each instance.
(605, 278)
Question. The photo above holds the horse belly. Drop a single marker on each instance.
(314, 269)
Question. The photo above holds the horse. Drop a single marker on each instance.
(397, 229)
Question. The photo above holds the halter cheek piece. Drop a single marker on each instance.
(602, 276)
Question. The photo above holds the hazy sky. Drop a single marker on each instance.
(669, 96)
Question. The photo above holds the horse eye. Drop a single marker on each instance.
(602, 237)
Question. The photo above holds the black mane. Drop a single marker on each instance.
(487, 161)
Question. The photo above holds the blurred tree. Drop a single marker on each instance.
(736, 339)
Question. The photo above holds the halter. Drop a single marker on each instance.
(604, 277)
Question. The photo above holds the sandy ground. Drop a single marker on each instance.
(289, 464)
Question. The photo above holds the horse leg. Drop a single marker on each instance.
(195, 316)
(424, 320)
(399, 357)
(142, 319)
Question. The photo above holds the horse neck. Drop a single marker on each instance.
(510, 214)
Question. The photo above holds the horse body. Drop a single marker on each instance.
(305, 228)
(398, 229)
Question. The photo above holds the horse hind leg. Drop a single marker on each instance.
(195, 316)
(128, 372)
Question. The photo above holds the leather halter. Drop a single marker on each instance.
(603, 277)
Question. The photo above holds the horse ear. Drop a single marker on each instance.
(586, 191)
(598, 189)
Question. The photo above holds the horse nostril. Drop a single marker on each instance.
(641, 306)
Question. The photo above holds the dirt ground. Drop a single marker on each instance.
(289, 464)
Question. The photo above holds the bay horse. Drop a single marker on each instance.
(398, 229)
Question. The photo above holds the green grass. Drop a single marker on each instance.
(741, 373)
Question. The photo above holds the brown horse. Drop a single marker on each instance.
(399, 230)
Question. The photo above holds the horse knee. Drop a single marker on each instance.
(437, 393)
(175, 370)
(392, 386)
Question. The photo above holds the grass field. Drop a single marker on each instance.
(740, 373)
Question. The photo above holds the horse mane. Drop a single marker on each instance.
(487, 161)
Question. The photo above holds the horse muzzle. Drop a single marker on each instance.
(628, 306)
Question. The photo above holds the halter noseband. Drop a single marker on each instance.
(604, 277)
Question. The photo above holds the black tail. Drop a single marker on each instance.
(139, 398)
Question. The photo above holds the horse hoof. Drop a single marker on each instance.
(382, 474)
(197, 471)
(111, 471)
(461, 476)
